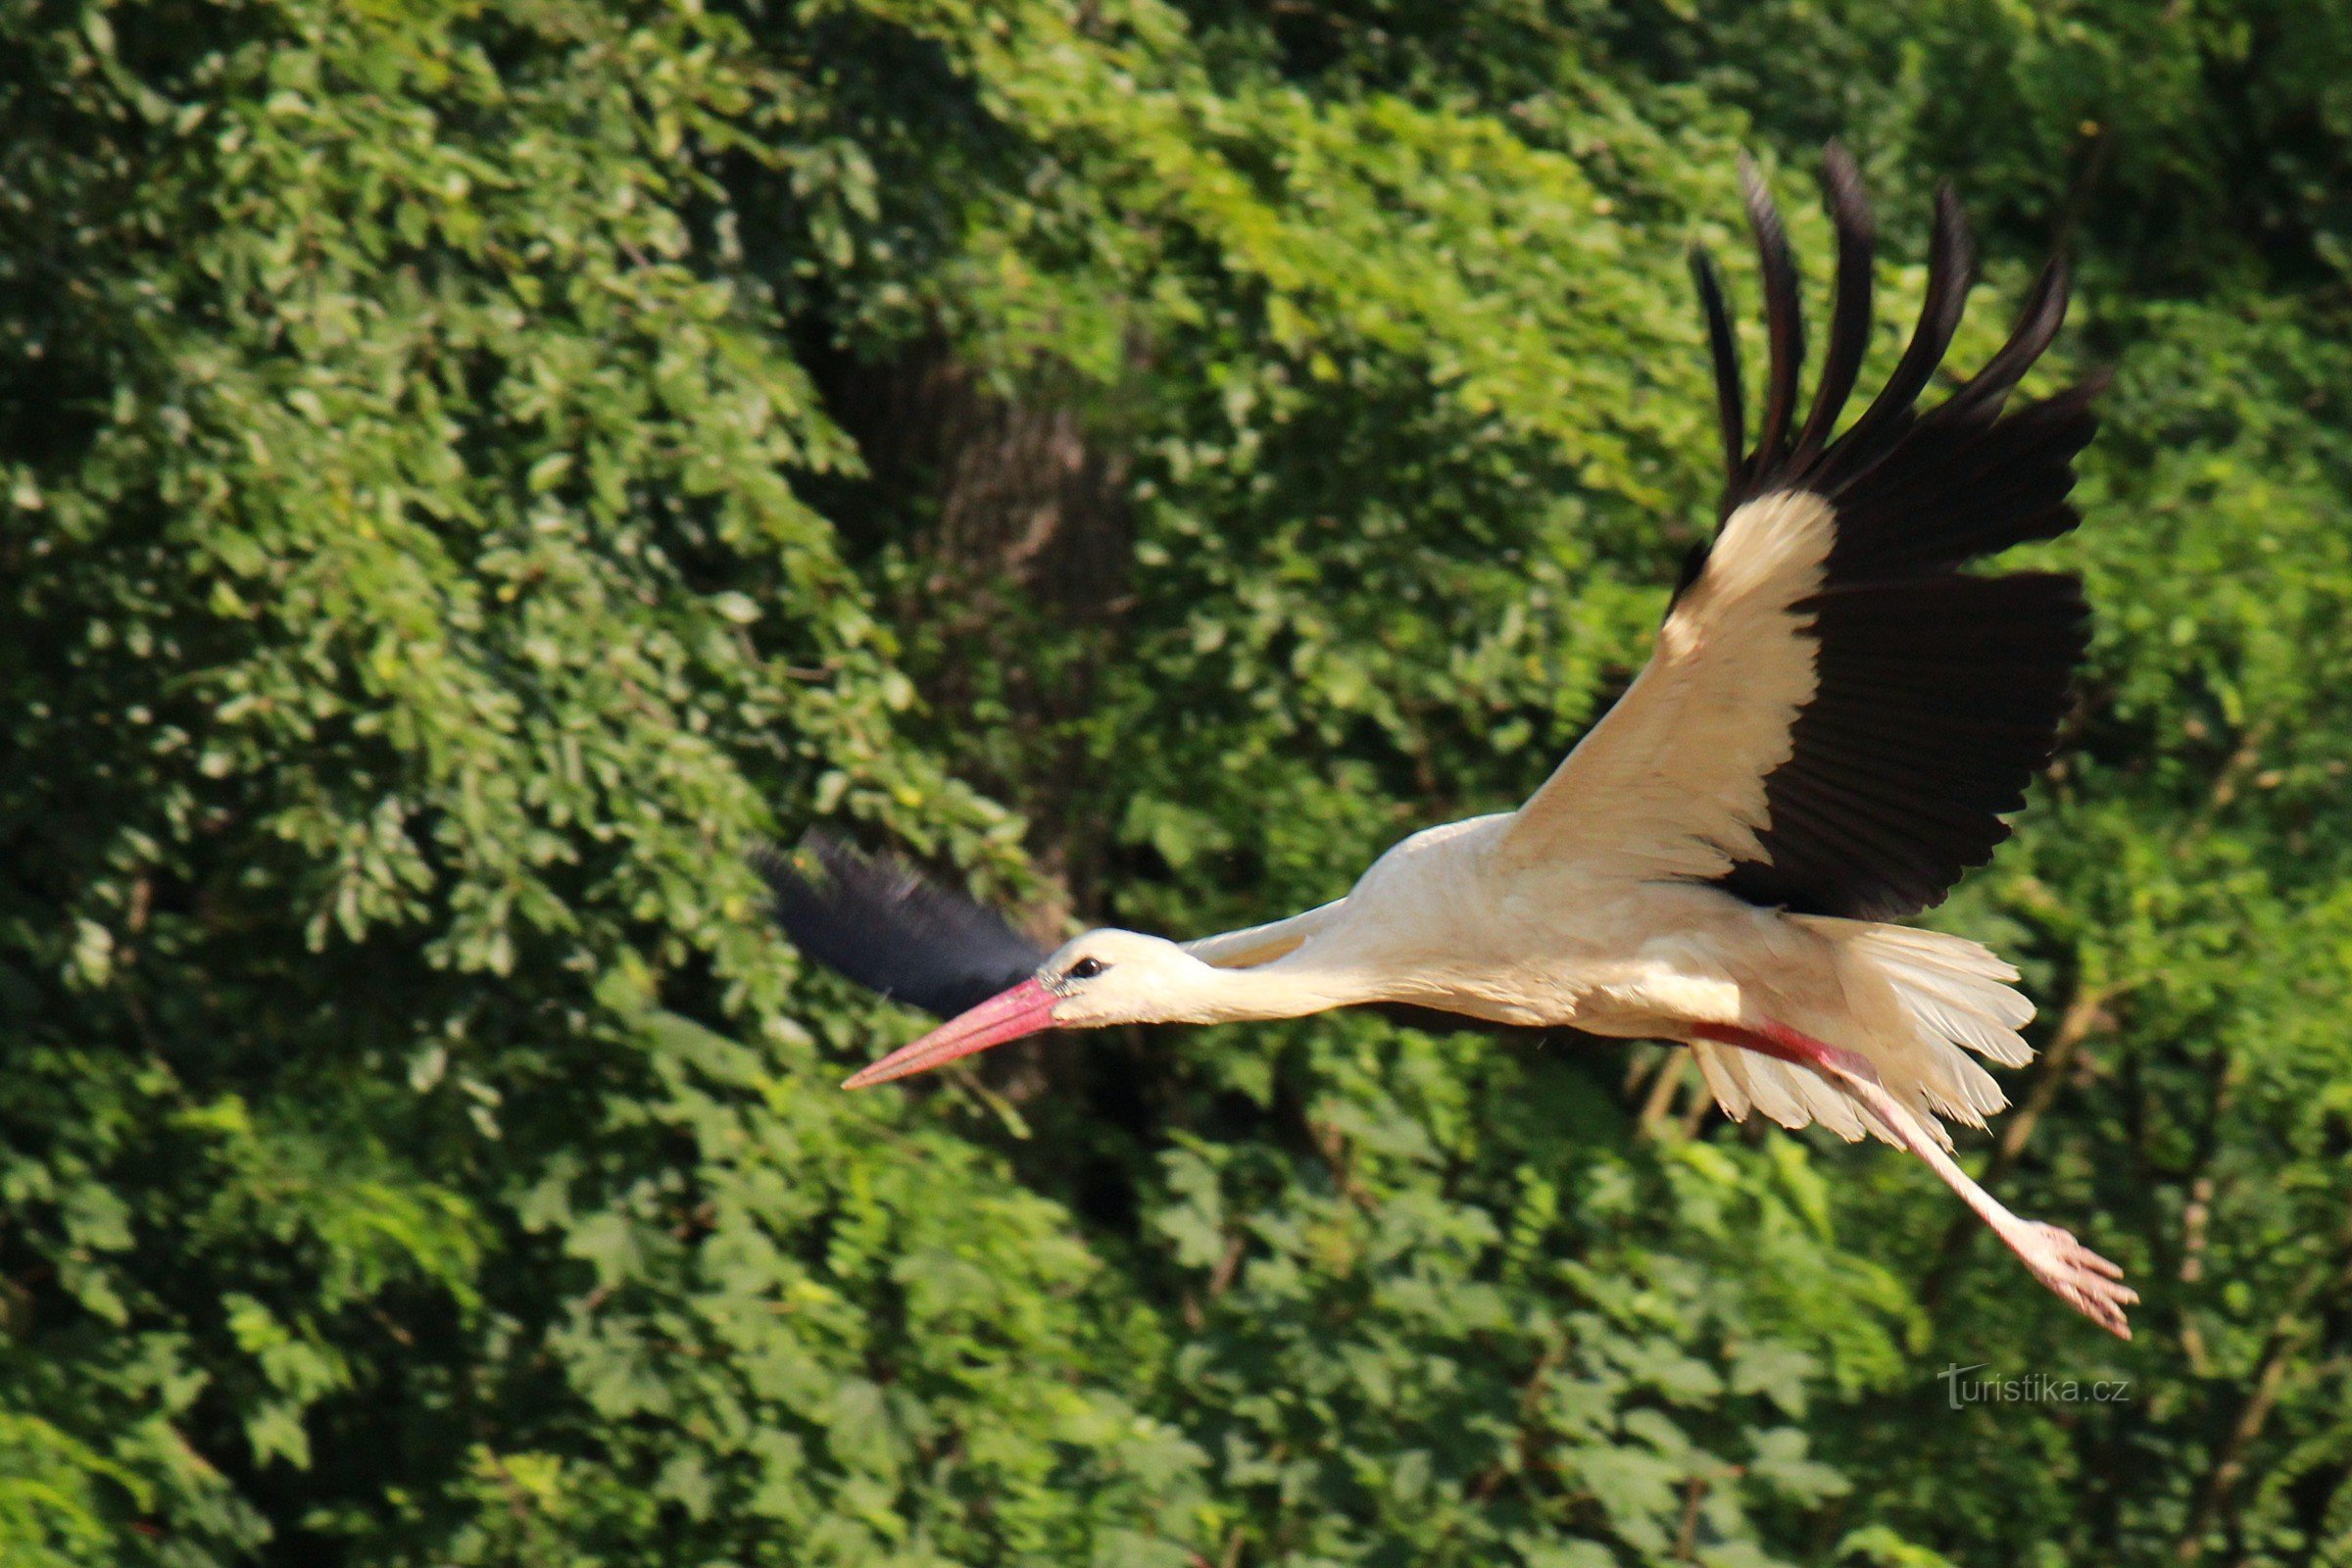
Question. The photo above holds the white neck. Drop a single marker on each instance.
(1284, 989)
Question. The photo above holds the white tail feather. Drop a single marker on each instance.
(1743, 1080)
(1918, 1002)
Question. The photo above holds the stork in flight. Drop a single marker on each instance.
(1834, 718)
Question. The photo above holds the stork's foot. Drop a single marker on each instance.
(2083, 1279)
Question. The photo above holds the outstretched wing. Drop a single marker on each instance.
(882, 924)
(1836, 714)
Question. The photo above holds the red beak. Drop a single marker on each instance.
(1008, 1015)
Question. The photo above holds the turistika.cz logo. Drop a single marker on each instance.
(2032, 1388)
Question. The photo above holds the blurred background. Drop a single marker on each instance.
(469, 472)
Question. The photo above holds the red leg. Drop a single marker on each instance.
(2083, 1279)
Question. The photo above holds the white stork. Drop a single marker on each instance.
(1834, 718)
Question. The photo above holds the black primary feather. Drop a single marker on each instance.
(1937, 694)
(1951, 264)
(1731, 399)
(1849, 316)
(1783, 318)
(881, 923)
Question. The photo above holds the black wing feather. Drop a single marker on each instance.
(1850, 317)
(882, 924)
(1951, 264)
(1937, 694)
(1731, 400)
(1783, 316)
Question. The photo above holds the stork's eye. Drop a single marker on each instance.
(1087, 968)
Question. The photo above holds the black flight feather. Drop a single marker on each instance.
(881, 923)
(1784, 318)
(1731, 398)
(1952, 267)
(1849, 312)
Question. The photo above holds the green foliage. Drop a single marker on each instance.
(469, 473)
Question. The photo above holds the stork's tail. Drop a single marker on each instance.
(1918, 1005)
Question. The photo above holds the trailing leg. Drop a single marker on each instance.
(2085, 1281)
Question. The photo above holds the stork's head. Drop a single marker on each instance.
(1104, 977)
